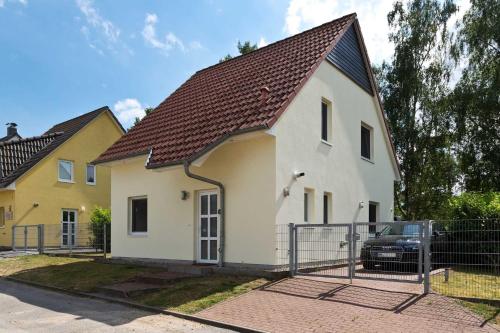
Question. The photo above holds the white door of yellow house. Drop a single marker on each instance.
(208, 227)
(68, 227)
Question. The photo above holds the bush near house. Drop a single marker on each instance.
(473, 230)
(100, 219)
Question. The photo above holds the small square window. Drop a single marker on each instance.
(138, 215)
(366, 142)
(65, 171)
(91, 174)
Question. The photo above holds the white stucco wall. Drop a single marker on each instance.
(338, 168)
(246, 168)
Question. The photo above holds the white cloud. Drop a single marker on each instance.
(262, 42)
(372, 15)
(127, 110)
(109, 33)
(2, 3)
(22, 2)
(168, 42)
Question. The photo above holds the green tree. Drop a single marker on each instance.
(137, 119)
(476, 98)
(243, 48)
(100, 218)
(412, 86)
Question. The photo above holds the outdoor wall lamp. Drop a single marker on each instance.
(184, 195)
(298, 174)
(35, 204)
(82, 209)
(361, 204)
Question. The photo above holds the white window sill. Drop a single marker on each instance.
(138, 234)
(327, 143)
(367, 160)
(66, 181)
(91, 184)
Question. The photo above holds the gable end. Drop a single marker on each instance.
(347, 57)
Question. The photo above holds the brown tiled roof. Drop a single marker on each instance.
(225, 99)
(19, 156)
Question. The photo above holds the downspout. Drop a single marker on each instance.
(221, 210)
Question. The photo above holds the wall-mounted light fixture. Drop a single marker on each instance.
(82, 209)
(297, 175)
(361, 204)
(35, 204)
(184, 195)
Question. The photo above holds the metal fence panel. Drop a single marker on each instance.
(323, 249)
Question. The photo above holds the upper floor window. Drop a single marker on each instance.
(308, 205)
(326, 121)
(327, 208)
(90, 174)
(65, 171)
(366, 141)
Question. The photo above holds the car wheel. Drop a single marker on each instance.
(368, 265)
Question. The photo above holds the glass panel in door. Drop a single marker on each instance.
(208, 228)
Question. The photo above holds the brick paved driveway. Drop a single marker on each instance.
(307, 305)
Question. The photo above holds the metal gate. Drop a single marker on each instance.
(27, 238)
(381, 251)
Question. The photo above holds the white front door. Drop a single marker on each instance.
(208, 227)
(68, 227)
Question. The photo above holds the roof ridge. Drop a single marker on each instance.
(98, 110)
(297, 35)
(33, 138)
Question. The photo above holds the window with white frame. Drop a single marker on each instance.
(308, 205)
(138, 215)
(65, 173)
(366, 141)
(90, 174)
(326, 121)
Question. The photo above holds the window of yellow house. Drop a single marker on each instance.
(2, 217)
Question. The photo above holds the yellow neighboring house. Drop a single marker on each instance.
(49, 179)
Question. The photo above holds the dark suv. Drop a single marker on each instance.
(396, 247)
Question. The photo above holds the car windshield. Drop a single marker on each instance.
(408, 230)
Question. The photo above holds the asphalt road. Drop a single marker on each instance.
(29, 309)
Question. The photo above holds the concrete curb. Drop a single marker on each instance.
(147, 308)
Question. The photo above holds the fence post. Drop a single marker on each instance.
(70, 238)
(105, 240)
(13, 238)
(25, 238)
(41, 230)
(427, 256)
(291, 251)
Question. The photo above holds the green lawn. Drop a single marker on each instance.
(189, 295)
(471, 284)
(195, 294)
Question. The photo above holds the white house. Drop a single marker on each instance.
(292, 132)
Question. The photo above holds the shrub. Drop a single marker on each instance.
(474, 206)
(100, 219)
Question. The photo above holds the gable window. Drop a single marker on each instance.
(366, 142)
(308, 205)
(138, 215)
(90, 174)
(326, 121)
(2, 217)
(65, 171)
(327, 208)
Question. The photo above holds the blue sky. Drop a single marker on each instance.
(59, 59)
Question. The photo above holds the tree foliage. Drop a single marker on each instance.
(243, 48)
(472, 205)
(475, 101)
(412, 86)
(100, 218)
